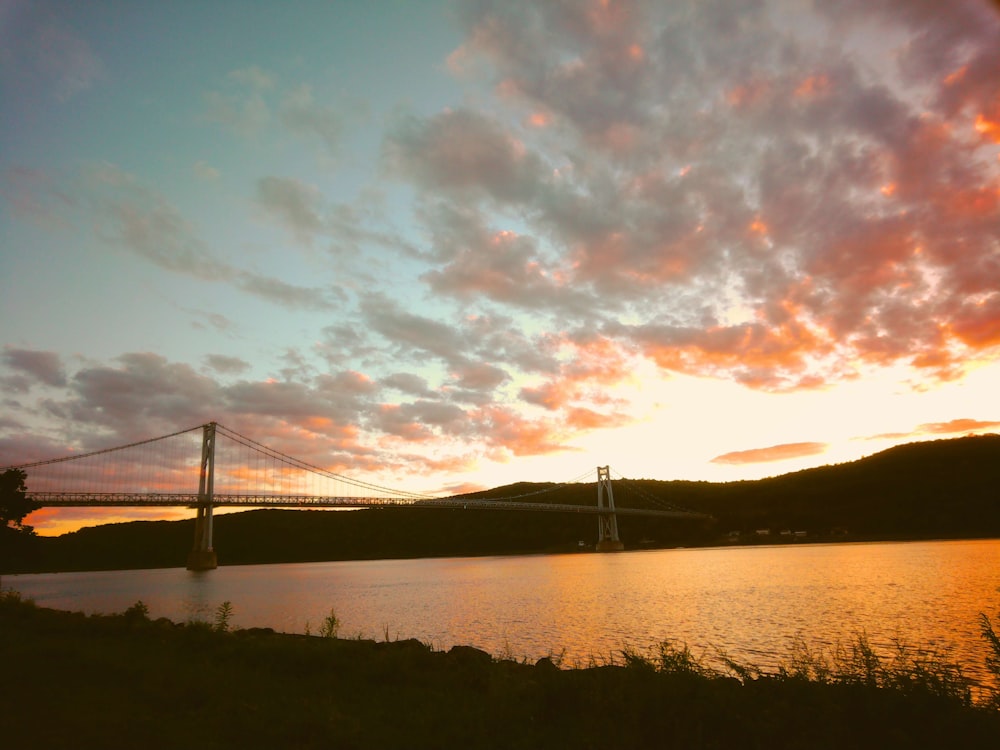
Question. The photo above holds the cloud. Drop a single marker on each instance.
(421, 419)
(250, 101)
(204, 319)
(460, 150)
(732, 196)
(36, 196)
(351, 382)
(45, 53)
(584, 419)
(137, 218)
(551, 395)
(510, 433)
(955, 426)
(292, 296)
(408, 383)
(226, 365)
(241, 106)
(144, 393)
(41, 366)
(498, 265)
(750, 191)
(304, 115)
(773, 453)
(480, 376)
(292, 203)
(340, 420)
(409, 332)
(243, 113)
(205, 171)
(303, 210)
(253, 77)
(951, 427)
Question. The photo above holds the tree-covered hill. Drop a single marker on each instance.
(938, 489)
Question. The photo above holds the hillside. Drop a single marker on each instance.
(939, 489)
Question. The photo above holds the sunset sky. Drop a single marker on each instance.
(452, 245)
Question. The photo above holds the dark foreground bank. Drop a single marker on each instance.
(107, 681)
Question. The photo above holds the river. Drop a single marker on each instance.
(757, 604)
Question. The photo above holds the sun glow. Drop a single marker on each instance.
(988, 127)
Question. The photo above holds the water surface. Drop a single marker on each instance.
(757, 604)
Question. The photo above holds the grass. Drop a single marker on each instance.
(124, 680)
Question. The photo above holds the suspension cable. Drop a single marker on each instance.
(266, 451)
(75, 456)
(554, 488)
(635, 487)
(298, 463)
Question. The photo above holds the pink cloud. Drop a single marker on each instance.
(772, 453)
(951, 427)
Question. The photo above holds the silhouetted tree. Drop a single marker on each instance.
(14, 501)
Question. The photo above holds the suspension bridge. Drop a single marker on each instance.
(234, 470)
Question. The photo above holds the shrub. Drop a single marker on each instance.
(331, 626)
(138, 611)
(223, 614)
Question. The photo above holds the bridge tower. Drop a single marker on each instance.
(202, 555)
(607, 521)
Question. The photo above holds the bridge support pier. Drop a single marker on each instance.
(607, 522)
(202, 556)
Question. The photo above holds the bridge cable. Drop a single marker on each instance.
(554, 488)
(298, 463)
(634, 487)
(99, 452)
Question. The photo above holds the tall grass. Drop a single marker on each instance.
(903, 670)
(992, 656)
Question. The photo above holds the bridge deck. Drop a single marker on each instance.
(112, 499)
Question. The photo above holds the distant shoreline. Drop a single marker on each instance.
(936, 490)
(763, 543)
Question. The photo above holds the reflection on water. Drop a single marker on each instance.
(753, 603)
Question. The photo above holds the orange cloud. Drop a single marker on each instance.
(955, 426)
(988, 127)
(748, 94)
(956, 76)
(505, 429)
(772, 453)
(551, 395)
(601, 359)
(539, 120)
(580, 418)
(757, 355)
(813, 86)
(951, 427)
(978, 325)
(971, 203)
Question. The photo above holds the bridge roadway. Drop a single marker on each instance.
(131, 499)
